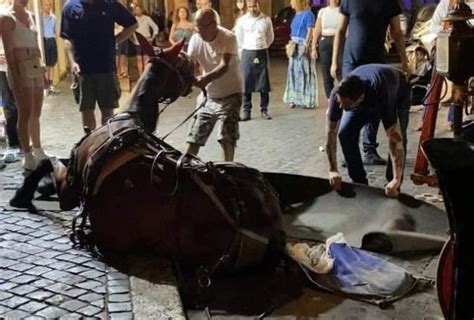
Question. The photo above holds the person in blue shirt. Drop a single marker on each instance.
(361, 31)
(50, 46)
(372, 91)
(87, 26)
(301, 83)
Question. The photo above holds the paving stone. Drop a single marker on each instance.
(43, 283)
(118, 289)
(95, 265)
(49, 254)
(5, 295)
(73, 305)
(16, 314)
(51, 236)
(39, 234)
(99, 303)
(90, 297)
(81, 259)
(38, 270)
(40, 295)
(89, 311)
(92, 274)
(23, 289)
(61, 265)
(62, 247)
(119, 298)
(121, 316)
(4, 309)
(44, 262)
(90, 284)
(33, 307)
(7, 285)
(116, 276)
(71, 279)
(4, 263)
(52, 312)
(119, 283)
(55, 274)
(57, 300)
(74, 293)
(21, 267)
(8, 274)
(59, 288)
(65, 257)
(14, 302)
(77, 269)
(71, 316)
(24, 279)
(100, 290)
(119, 307)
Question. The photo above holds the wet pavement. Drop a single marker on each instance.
(43, 276)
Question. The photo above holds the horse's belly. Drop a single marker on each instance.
(129, 213)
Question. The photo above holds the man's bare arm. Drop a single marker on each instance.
(339, 39)
(397, 35)
(216, 73)
(331, 143)
(126, 33)
(397, 153)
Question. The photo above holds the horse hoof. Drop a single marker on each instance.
(18, 202)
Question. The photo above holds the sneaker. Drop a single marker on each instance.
(246, 116)
(266, 116)
(39, 154)
(374, 159)
(29, 161)
(11, 155)
(52, 89)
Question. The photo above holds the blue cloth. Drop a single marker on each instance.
(49, 26)
(302, 21)
(90, 28)
(368, 22)
(387, 97)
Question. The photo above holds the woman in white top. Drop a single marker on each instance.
(323, 38)
(26, 77)
(147, 28)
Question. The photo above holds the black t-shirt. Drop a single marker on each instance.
(368, 23)
(383, 85)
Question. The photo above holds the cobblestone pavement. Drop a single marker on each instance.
(43, 276)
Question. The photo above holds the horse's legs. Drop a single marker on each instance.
(24, 195)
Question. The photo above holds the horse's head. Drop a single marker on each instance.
(168, 75)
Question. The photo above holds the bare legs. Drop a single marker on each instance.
(29, 103)
(88, 117)
(228, 150)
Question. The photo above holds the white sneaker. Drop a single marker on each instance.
(39, 154)
(29, 161)
(11, 155)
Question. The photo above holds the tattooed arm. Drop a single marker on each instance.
(332, 128)
(395, 143)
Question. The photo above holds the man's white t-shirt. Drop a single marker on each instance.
(209, 56)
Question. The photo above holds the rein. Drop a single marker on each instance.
(203, 103)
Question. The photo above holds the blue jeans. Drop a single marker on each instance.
(352, 123)
(369, 136)
(10, 111)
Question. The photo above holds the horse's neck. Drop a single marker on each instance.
(144, 101)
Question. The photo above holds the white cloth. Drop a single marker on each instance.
(328, 18)
(209, 56)
(254, 33)
(145, 27)
(441, 12)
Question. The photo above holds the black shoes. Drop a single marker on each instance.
(266, 116)
(246, 116)
(374, 159)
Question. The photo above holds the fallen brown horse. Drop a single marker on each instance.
(137, 191)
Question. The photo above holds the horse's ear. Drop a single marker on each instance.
(173, 51)
(146, 47)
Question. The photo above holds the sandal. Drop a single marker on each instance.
(123, 75)
(292, 106)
